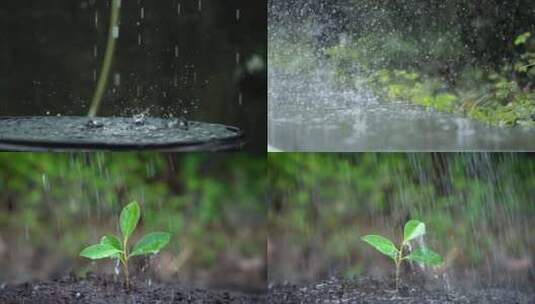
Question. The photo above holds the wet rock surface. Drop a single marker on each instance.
(116, 133)
(311, 113)
(104, 289)
(371, 291)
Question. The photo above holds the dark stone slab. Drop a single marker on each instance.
(115, 133)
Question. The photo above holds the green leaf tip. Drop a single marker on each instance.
(129, 218)
(151, 243)
(100, 251)
(426, 256)
(382, 244)
(413, 229)
(111, 240)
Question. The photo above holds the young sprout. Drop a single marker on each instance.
(413, 229)
(111, 247)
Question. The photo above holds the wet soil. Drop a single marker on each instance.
(107, 289)
(371, 291)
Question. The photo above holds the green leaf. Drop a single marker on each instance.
(384, 245)
(151, 243)
(413, 229)
(522, 39)
(111, 240)
(129, 218)
(100, 251)
(426, 256)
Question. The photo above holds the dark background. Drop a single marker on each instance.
(47, 60)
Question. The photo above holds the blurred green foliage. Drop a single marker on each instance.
(477, 204)
(471, 58)
(212, 204)
(457, 67)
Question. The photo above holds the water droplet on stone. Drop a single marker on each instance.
(93, 124)
(183, 124)
(139, 119)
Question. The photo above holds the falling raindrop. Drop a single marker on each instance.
(116, 32)
(117, 79)
(238, 57)
(238, 15)
(142, 13)
(26, 232)
(200, 6)
(139, 119)
(117, 264)
(45, 182)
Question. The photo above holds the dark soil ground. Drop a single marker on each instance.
(106, 289)
(370, 291)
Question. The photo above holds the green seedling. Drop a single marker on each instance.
(111, 247)
(413, 229)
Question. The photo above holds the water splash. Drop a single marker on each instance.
(117, 268)
(139, 119)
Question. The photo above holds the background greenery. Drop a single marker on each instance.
(475, 58)
(52, 205)
(478, 208)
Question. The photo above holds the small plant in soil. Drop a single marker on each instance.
(114, 247)
(412, 230)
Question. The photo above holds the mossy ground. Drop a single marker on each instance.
(486, 95)
(502, 96)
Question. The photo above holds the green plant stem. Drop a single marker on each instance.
(126, 274)
(399, 259)
(108, 58)
(125, 262)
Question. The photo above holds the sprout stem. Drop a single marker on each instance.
(398, 265)
(108, 58)
(126, 274)
(125, 262)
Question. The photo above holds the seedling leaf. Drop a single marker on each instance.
(151, 243)
(426, 256)
(111, 246)
(99, 251)
(112, 241)
(413, 229)
(382, 244)
(129, 219)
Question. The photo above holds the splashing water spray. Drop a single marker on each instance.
(113, 35)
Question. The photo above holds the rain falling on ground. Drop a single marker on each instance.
(477, 208)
